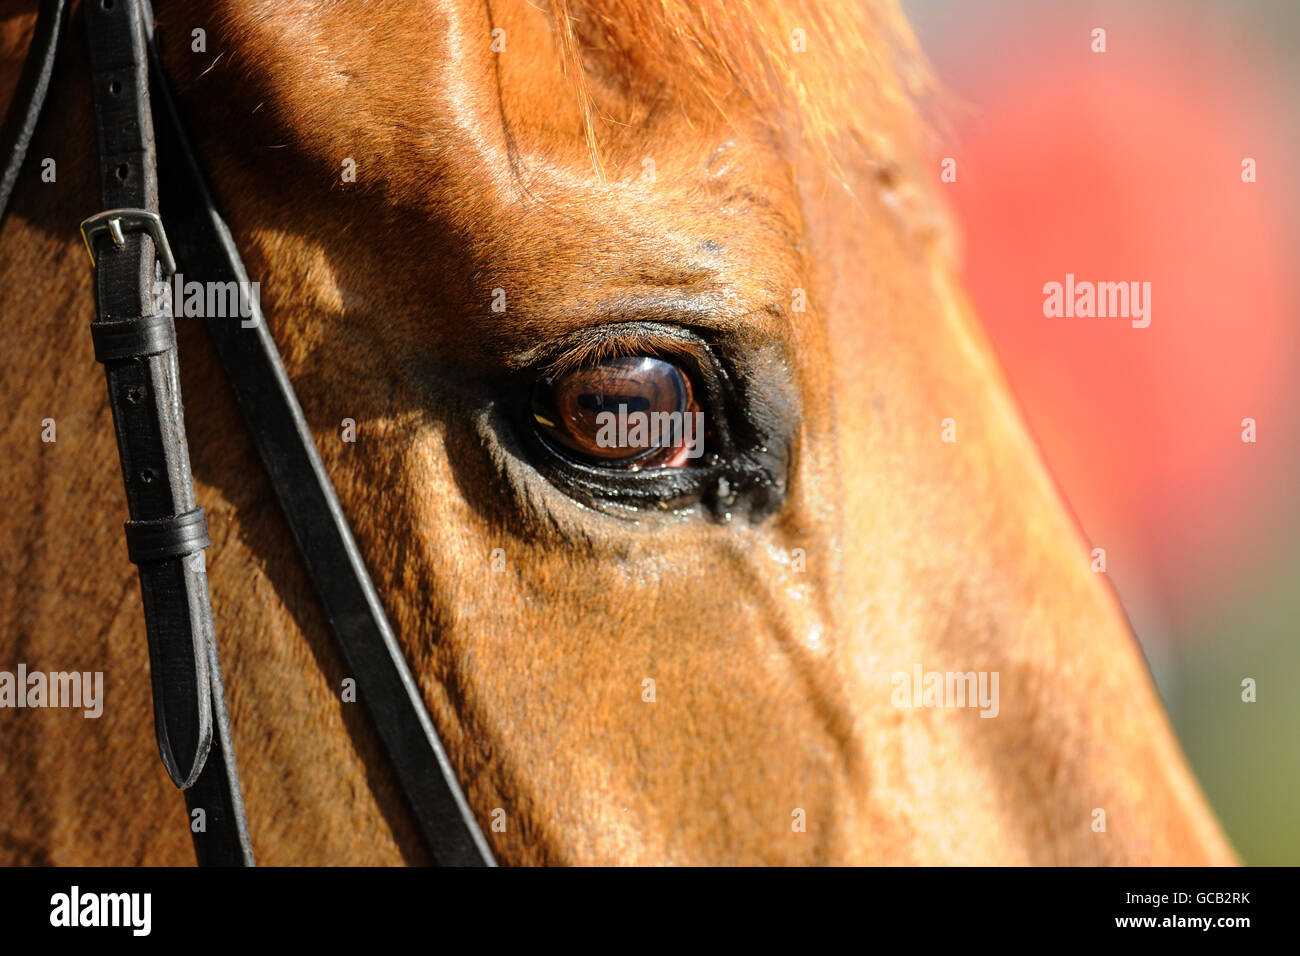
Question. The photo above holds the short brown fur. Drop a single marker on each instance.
(773, 171)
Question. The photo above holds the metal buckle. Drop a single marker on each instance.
(117, 221)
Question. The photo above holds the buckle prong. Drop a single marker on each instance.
(118, 221)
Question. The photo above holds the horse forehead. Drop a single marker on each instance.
(492, 143)
(460, 90)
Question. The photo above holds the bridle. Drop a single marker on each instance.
(144, 152)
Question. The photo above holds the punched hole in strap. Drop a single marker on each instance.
(163, 538)
(117, 339)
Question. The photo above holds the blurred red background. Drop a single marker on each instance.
(1127, 166)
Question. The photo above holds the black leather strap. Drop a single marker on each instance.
(29, 97)
(203, 244)
(166, 534)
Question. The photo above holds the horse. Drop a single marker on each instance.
(465, 215)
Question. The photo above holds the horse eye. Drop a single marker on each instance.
(629, 412)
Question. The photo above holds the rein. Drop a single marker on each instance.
(130, 252)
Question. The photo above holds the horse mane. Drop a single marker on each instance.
(859, 75)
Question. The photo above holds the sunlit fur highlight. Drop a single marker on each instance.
(857, 77)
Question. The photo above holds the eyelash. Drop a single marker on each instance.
(621, 341)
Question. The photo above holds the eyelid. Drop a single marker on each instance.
(621, 341)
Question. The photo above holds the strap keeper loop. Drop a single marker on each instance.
(117, 339)
(163, 538)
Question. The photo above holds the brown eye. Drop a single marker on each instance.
(632, 412)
